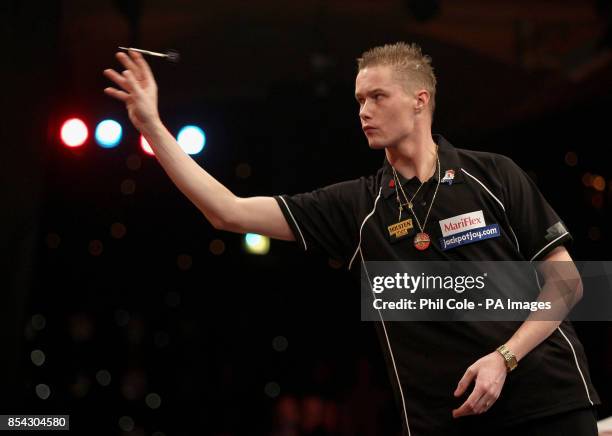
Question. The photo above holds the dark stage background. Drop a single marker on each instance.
(124, 308)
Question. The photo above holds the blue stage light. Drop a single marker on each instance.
(108, 133)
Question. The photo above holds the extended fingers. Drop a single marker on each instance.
(145, 70)
(119, 79)
(131, 81)
(126, 80)
(129, 65)
(115, 93)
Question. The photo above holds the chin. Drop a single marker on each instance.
(376, 145)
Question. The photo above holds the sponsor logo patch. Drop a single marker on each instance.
(449, 176)
(554, 231)
(461, 223)
(469, 236)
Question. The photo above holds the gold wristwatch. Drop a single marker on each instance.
(509, 357)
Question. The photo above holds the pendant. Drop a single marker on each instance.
(421, 241)
(400, 230)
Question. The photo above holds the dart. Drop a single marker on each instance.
(170, 55)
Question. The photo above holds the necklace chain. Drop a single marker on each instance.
(409, 202)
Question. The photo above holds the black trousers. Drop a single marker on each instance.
(581, 422)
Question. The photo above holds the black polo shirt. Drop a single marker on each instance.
(349, 221)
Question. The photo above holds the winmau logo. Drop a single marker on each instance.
(461, 223)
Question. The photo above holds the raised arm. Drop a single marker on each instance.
(219, 205)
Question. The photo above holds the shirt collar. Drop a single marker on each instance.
(448, 161)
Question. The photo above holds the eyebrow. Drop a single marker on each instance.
(357, 95)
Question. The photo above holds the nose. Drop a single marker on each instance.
(364, 112)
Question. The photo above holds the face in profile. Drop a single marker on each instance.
(386, 109)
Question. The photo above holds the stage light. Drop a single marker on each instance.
(280, 343)
(145, 146)
(599, 183)
(133, 162)
(161, 339)
(571, 158)
(184, 262)
(256, 244)
(128, 187)
(217, 247)
(173, 299)
(118, 230)
(594, 233)
(597, 200)
(108, 133)
(272, 389)
(153, 400)
(38, 357)
(243, 170)
(74, 133)
(43, 391)
(53, 240)
(126, 423)
(191, 139)
(103, 377)
(122, 317)
(38, 322)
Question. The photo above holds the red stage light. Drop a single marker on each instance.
(145, 146)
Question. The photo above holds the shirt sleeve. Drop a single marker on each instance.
(537, 227)
(324, 220)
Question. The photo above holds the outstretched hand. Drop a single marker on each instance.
(137, 89)
(489, 373)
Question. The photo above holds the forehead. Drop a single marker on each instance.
(374, 77)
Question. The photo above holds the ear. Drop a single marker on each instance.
(421, 99)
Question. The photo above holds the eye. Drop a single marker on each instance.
(377, 96)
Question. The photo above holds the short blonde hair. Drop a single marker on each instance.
(413, 68)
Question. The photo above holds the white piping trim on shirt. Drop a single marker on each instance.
(358, 249)
(388, 344)
(500, 203)
(548, 245)
(295, 222)
(586, 388)
(577, 366)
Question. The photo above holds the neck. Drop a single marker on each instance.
(414, 156)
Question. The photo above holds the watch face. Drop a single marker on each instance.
(512, 362)
(510, 359)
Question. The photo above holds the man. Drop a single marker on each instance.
(449, 378)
